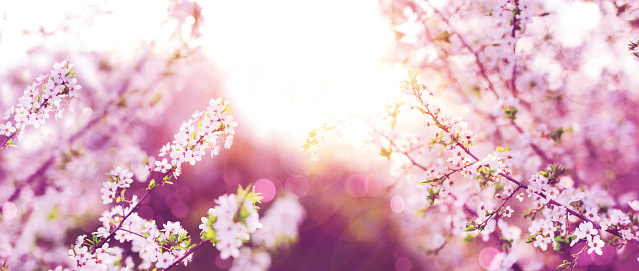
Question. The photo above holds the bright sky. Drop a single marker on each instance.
(291, 65)
(288, 65)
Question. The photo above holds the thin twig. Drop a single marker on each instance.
(187, 254)
(521, 185)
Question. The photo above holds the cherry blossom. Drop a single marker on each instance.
(40, 99)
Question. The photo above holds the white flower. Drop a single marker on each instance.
(542, 242)
(230, 247)
(108, 192)
(81, 254)
(102, 232)
(173, 227)
(204, 226)
(228, 142)
(165, 260)
(162, 166)
(592, 214)
(508, 212)
(595, 245)
(585, 230)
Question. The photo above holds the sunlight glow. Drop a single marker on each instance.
(296, 64)
(293, 64)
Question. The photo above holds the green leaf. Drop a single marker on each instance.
(470, 226)
(430, 181)
(444, 36)
(565, 266)
(386, 152)
(475, 88)
(556, 134)
(510, 112)
(244, 213)
(55, 212)
(469, 238)
(560, 241)
(151, 185)
(507, 243)
(553, 174)
(432, 195)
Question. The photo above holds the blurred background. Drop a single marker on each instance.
(288, 67)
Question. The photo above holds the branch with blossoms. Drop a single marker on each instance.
(43, 180)
(189, 145)
(40, 99)
(109, 108)
(227, 225)
(509, 19)
(555, 206)
(541, 187)
(480, 47)
(443, 122)
(129, 97)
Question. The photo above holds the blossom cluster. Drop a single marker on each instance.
(153, 245)
(553, 203)
(280, 230)
(45, 184)
(227, 226)
(40, 99)
(79, 253)
(209, 129)
(231, 223)
(560, 213)
(521, 79)
(120, 179)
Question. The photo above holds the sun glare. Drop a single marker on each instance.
(296, 64)
(293, 64)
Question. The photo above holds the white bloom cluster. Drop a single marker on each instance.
(586, 230)
(40, 99)
(196, 135)
(233, 220)
(84, 260)
(161, 247)
(121, 178)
